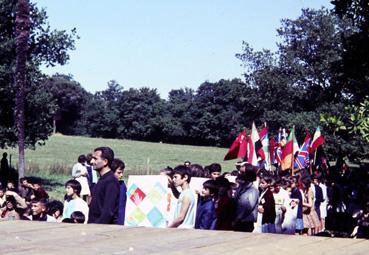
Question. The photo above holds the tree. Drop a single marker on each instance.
(139, 110)
(354, 67)
(27, 39)
(22, 34)
(220, 110)
(70, 98)
(44, 46)
(302, 79)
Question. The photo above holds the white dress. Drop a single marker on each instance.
(78, 171)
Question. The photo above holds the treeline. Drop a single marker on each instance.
(305, 84)
(315, 78)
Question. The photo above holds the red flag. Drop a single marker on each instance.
(318, 140)
(262, 152)
(238, 147)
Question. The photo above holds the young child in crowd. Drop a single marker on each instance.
(117, 166)
(73, 202)
(184, 216)
(205, 214)
(267, 205)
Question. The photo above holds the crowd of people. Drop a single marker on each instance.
(247, 199)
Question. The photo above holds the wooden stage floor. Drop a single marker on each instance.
(25, 237)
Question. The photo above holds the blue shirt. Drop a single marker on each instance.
(122, 203)
(205, 214)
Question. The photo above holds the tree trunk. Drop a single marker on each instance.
(22, 31)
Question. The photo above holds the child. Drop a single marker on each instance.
(118, 168)
(184, 216)
(267, 205)
(215, 170)
(78, 217)
(205, 215)
(224, 205)
(73, 202)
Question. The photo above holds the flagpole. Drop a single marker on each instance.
(293, 153)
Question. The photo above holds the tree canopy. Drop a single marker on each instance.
(45, 46)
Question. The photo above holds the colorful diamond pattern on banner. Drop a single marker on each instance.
(156, 218)
(156, 194)
(136, 194)
(136, 217)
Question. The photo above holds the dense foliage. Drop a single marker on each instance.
(309, 81)
(45, 46)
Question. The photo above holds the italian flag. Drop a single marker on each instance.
(318, 140)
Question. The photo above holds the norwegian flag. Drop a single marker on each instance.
(302, 158)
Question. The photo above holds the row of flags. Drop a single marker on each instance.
(283, 150)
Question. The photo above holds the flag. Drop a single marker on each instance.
(288, 151)
(318, 140)
(302, 159)
(272, 147)
(264, 138)
(278, 154)
(238, 147)
(254, 145)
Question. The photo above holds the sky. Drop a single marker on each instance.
(165, 44)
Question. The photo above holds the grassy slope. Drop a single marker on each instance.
(53, 162)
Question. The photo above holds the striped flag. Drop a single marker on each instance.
(302, 159)
(264, 137)
(288, 151)
(254, 145)
(318, 140)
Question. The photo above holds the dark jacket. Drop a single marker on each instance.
(268, 203)
(205, 214)
(105, 200)
(247, 197)
(122, 203)
(225, 213)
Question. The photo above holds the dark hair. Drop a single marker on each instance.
(168, 171)
(183, 170)
(67, 220)
(11, 199)
(247, 176)
(78, 216)
(81, 159)
(215, 167)
(106, 153)
(268, 179)
(117, 163)
(54, 206)
(89, 158)
(223, 186)
(22, 179)
(42, 201)
(187, 162)
(197, 170)
(211, 185)
(75, 185)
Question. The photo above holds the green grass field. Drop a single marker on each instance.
(53, 162)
